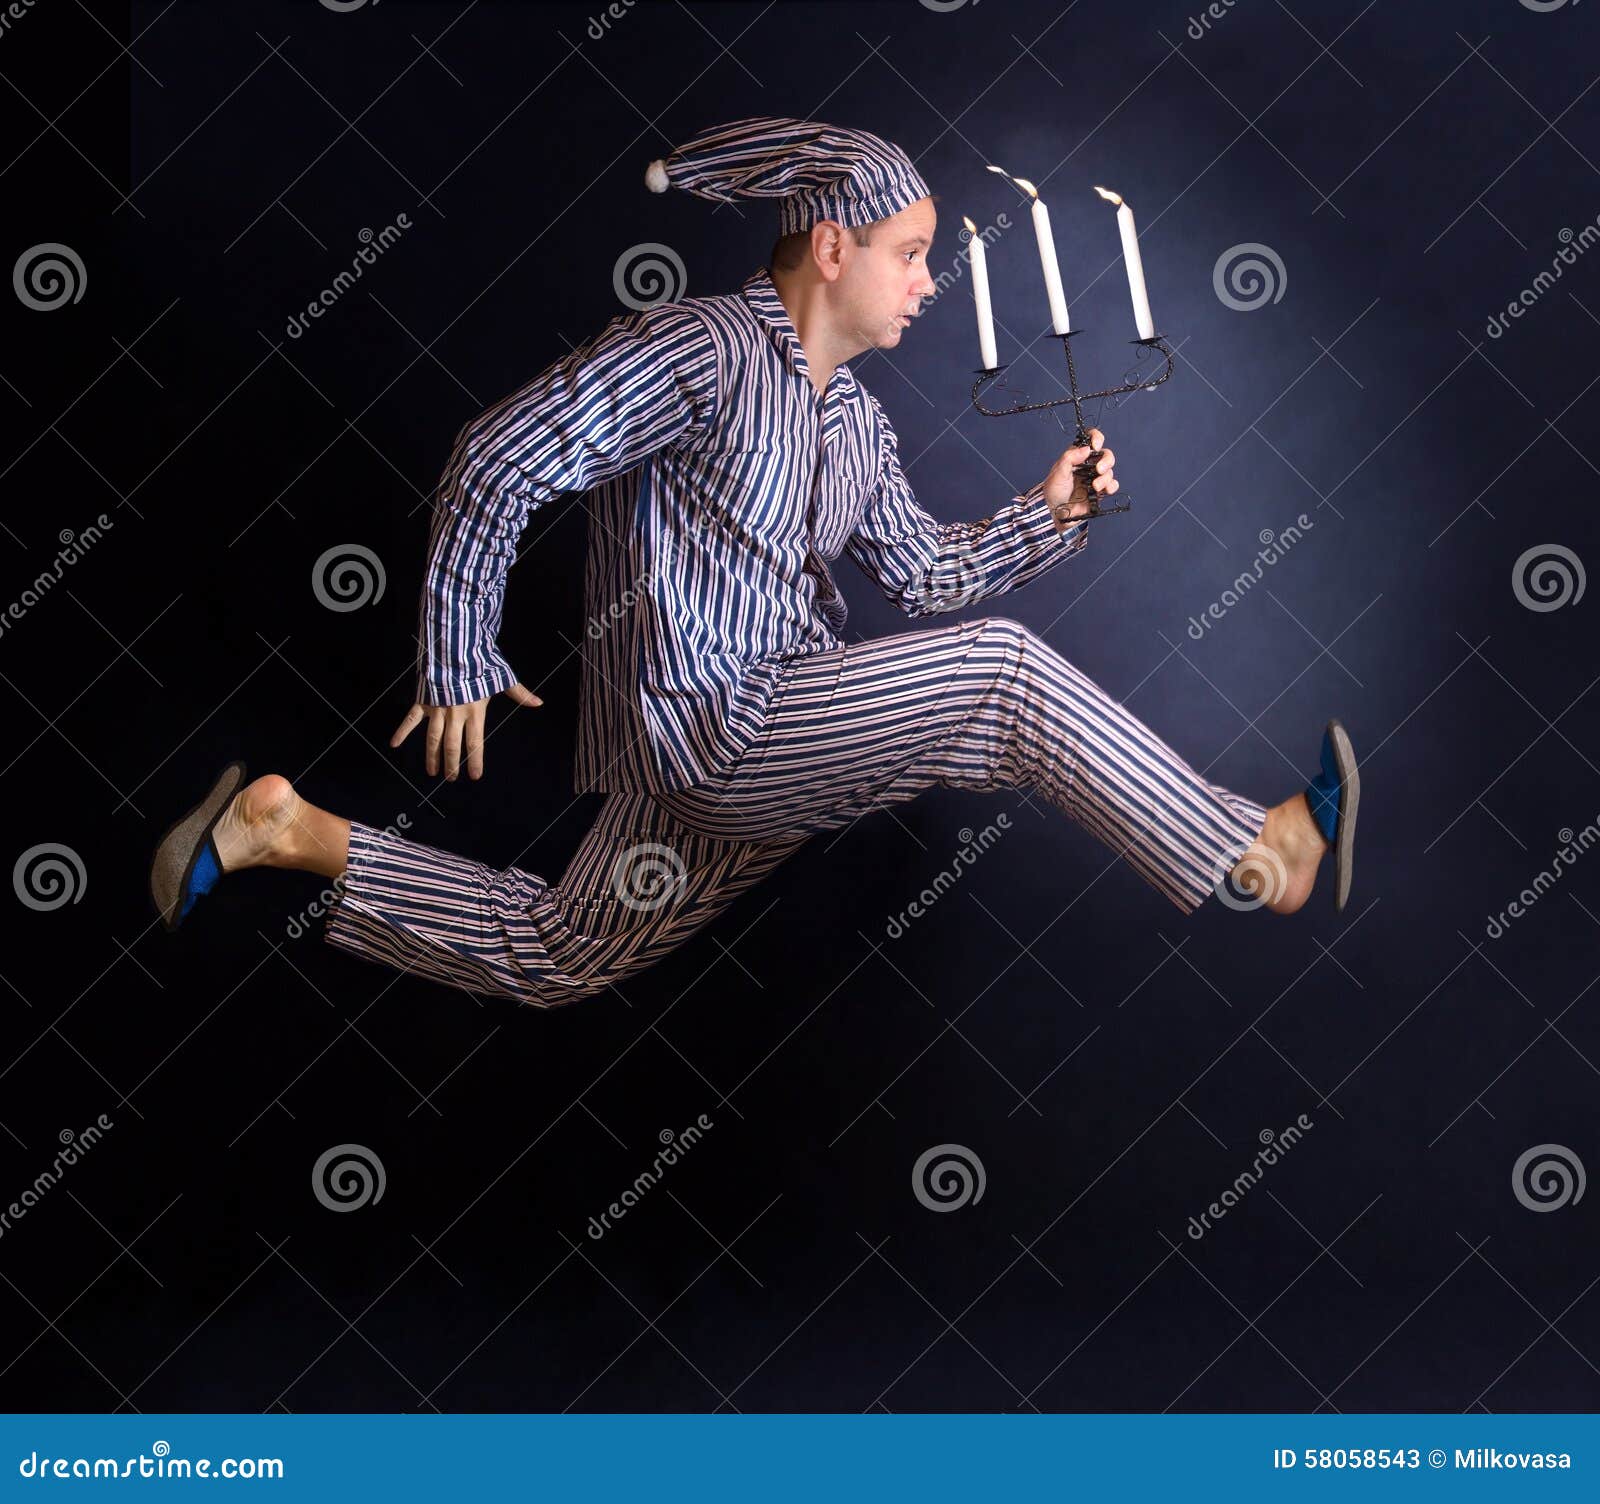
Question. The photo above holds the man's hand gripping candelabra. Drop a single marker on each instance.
(991, 375)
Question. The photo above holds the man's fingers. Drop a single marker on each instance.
(475, 740)
(413, 719)
(435, 737)
(455, 722)
(523, 695)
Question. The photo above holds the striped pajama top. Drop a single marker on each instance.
(721, 487)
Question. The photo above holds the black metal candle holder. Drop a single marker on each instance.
(1084, 474)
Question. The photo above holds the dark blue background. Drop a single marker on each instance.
(1110, 1062)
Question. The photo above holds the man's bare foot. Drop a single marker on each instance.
(1279, 868)
(261, 827)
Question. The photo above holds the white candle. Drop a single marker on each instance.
(980, 294)
(1130, 257)
(1047, 260)
(1047, 254)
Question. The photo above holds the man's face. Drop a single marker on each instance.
(883, 284)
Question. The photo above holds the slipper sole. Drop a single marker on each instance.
(179, 849)
(1344, 838)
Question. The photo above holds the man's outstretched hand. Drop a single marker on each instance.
(1064, 490)
(452, 726)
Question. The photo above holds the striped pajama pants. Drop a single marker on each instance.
(982, 704)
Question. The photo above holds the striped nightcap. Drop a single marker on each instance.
(815, 171)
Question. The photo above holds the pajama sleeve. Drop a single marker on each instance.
(646, 380)
(923, 566)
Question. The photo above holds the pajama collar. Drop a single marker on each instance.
(761, 294)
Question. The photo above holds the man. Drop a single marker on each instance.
(730, 456)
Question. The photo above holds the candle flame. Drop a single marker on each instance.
(1108, 195)
(1022, 183)
(972, 229)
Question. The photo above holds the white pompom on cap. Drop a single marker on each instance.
(655, 176)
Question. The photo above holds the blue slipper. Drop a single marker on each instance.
(1332, 797)
(186, 862)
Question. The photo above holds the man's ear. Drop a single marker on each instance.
(827, 248)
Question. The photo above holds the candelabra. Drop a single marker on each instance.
(1084, 474)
